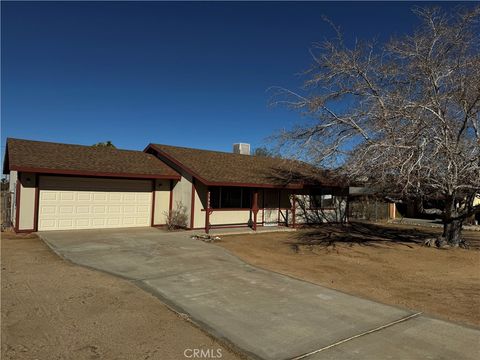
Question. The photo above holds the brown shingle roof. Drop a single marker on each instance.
(48, 157)
(222, 168)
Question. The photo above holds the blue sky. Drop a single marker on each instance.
(187, 74)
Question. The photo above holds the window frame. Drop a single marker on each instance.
(243, 192)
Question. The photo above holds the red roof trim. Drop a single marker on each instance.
(176, 162)
(269, 186)
(93, 173)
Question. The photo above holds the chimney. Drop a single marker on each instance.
(241, 148)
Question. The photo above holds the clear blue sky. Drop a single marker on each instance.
(188, 74)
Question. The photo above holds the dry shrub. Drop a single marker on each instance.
(177, 218)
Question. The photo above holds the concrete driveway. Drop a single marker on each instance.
(264, 314)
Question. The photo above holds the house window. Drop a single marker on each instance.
(322, 198)
(230, 198)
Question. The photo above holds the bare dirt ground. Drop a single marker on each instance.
(380, 262)
(52, 309)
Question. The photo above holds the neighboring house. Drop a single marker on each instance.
(63, 187)
(476, 202)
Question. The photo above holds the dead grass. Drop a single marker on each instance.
(52, 309)
(383, 263)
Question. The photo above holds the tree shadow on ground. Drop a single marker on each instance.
(359, 233)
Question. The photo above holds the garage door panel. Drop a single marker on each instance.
(47, 224)
(141, 222)
(48, 196)
(115, 209)
(99, 209)
(79, 223)
(84, 196)
(143, 197)
(129, 221)
(113, 222)
(83, 209)
(48, 210)
(67, 196)
(65, 223)
(143, 209)
(130, 209)
(83, 203)
(115, 197)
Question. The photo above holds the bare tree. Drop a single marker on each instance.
(403, 114)
(263, 151)
(107, 143)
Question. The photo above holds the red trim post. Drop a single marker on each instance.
(207, 213)
(192, 205)
(279, 206)
(37, 195)
(17, 203)
(263, 207)
(170, 204)
(255, 209)
(154, 190)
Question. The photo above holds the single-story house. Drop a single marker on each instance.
(63, 186)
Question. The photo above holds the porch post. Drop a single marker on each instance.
(207, 213)
(294, 205)
(255, 209)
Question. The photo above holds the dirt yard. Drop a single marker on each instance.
(383, 263)
(52, 309)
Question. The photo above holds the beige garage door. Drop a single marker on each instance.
(67, 203)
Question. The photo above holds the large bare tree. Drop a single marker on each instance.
(403, 114)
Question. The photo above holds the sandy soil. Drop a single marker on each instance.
(383, 263)
(52, 309)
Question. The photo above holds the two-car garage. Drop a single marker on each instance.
(66, 187)
(67, 203)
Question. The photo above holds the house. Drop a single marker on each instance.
(63, 186)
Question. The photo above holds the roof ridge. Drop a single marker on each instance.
(76, 145)
(279, 158)
(214, 151)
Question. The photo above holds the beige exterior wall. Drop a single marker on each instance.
(182, 190)
(182, 194)
(200, 204)
(162, 201)
(26, 216)
(233, 217)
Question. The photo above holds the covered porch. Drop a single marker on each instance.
(247, 207)
(236, 207)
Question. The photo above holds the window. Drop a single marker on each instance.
(230, 197)
(322, 198)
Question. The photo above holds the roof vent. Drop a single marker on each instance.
(241, 148)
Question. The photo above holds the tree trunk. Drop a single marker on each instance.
(452, 230)
(452, 223)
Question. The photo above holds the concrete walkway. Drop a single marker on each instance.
(264, 314)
